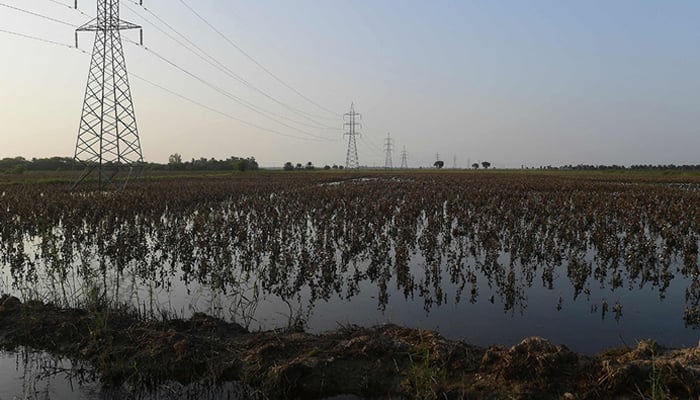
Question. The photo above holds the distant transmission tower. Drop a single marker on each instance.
(108, 141)
(353, 126)
(404, 158)
(388, 148)
(454, 162)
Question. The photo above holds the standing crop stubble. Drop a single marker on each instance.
(436, 238)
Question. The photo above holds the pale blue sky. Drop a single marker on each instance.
(511, 82)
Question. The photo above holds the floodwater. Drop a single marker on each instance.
(552, 313)
(596, 318)
(488, 269)
(30, 375)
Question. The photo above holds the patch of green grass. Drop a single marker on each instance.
(424, 376)
(657, 389)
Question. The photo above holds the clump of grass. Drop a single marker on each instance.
(657, 387)
(425, 376)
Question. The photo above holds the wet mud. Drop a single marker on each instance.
(380, 362)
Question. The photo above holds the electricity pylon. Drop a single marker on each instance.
(108, 140)
(404, 158)
(352, 118)
(388, 148)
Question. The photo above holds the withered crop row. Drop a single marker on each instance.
(436, 237)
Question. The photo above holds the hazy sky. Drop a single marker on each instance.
(512, 82)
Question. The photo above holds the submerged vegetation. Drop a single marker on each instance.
(304, 238)
(275, 234)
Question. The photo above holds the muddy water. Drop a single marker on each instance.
(33, 375)
(589, 265)
(29, 375)
(596, 318)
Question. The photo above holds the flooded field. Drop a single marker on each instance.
(31, 375)
(587, 261)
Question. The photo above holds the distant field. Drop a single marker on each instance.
(651, 176)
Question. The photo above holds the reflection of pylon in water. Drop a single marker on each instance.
(108, 141)
(404, 158)
(352, 118)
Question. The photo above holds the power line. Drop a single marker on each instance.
(197, 103)
(68, 6)
(371, 146)
(221, 67)
(40, 39)
(225, 93)
(181, 96)
(229, 41)
(211, 60)
(235, 98)
(38, 15)
(370, 142)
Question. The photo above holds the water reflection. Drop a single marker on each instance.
(273, 253)
(34, 375)
(31, 375)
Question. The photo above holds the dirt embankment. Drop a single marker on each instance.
(387, 361)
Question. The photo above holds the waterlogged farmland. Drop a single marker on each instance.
(588, 261)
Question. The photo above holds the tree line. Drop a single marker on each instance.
(18, 165)
(309, 166)
(175, 163)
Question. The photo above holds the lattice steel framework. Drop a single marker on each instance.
(108, 140)
(388, 149)
(352, 118)
(404, 158)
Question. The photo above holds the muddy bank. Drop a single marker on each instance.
(386, 361)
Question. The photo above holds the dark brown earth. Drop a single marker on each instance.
(386, 361)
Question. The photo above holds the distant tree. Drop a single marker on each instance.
(334, 166)
(175, 159)
(310, 166)
(439, 164)
(341, 167)
(288, 166)
(18, 169)
(475, 165)
(327, 167)
(16, 165)
(486, 164)
(48, 164)
(243, 164)
(299, 166)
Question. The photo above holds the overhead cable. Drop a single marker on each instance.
(224, 92)
(256, 62)
(221, 67)
(211, 60)
(38, 15)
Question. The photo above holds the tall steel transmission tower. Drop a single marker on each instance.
(352, 118)
(404, 158)
(108, 140)
(388, 148)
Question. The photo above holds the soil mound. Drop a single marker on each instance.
(385, 361)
